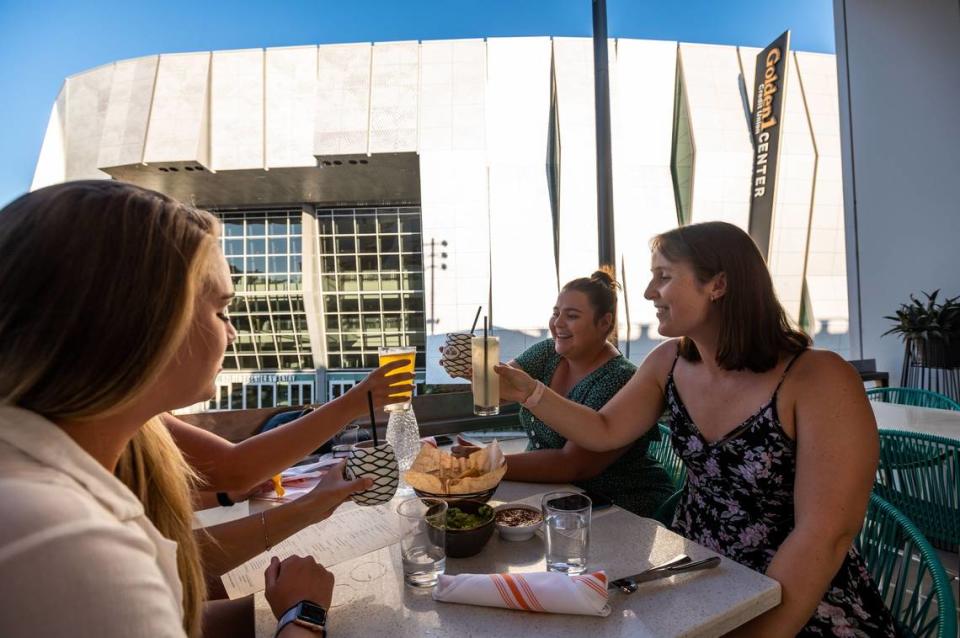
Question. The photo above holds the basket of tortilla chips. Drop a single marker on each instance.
(439, 474)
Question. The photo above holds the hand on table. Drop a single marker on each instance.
(332, 490)
(294, 579)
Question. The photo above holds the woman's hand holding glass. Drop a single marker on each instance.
(385, 384)
(332, 490)
(515, 384)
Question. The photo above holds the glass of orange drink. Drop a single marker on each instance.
(389, 355)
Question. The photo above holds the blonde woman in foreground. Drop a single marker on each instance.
(112, 302)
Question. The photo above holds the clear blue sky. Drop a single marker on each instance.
(41, 43)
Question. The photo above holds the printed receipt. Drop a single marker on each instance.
(343, 536)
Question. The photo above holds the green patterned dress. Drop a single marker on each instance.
(635, 481)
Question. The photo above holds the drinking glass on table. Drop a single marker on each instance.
(423, 539)
(391, 354)
(485, 353)
(566, 532)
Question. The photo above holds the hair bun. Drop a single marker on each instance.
(605, 278)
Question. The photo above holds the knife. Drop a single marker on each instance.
(680, 565)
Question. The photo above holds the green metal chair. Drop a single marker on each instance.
(920, 475)
(907, 572)
(664, 453)
(913, 396)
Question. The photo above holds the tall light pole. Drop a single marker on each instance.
(601, 81)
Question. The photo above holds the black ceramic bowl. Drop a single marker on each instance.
(463, 543)
(453, 499)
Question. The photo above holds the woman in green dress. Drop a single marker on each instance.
(580, 363)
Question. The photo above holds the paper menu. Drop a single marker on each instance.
(343, 536)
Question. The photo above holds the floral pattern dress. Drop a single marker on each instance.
(635, 481)
(738, 501)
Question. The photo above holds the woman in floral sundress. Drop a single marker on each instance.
(779, 441)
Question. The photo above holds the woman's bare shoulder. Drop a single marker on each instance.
(656, 365)
(823, 373)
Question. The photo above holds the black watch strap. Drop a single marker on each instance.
(224, 499)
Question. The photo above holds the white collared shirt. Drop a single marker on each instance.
(78, 556)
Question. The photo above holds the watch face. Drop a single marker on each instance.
(311, 613)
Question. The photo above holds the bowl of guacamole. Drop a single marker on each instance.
(469, 526)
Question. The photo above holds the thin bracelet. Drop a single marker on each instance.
(263, 522)
(535, 396)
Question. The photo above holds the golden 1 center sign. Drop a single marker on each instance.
(768, 102)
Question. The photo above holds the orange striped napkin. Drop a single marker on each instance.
(544, 592)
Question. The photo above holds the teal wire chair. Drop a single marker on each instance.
(664, 454)
(907, 572)
(919, 474)
(665, 512)
(913, 396)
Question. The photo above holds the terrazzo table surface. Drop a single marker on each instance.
(913, 419)
(370, 599)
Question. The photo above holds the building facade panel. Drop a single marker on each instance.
(453, 189)
(643, 84)
(52, 161)
(719, 127)
(179, 122)
(577, 156)
(88, 96)
(343, 99)
(236, 110)
(394, 96)
(290, 100)
(826, 260)
(518, 109)
(128, 112)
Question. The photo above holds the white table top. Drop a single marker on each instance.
(891, 416)
(371, 600)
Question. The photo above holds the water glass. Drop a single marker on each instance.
(566, 533)
(423, 539)
(346, 441)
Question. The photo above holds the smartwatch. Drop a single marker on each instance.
(306, 614)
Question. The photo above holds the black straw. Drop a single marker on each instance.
(373, 419)
(473, 328)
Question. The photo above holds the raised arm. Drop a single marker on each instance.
(625, 418)
(228, 467)
(837, 451)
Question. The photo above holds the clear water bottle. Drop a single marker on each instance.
(403, 434)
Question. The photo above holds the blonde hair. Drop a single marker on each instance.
(89, 320)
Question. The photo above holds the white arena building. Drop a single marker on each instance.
(374, 193)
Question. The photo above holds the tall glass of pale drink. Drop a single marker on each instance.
(389, 355)
(485, 353)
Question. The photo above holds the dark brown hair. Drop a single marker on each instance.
(601, 291)
(754, 329)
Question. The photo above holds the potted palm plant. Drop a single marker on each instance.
(930, 329)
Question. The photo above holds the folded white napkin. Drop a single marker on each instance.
(549, 592)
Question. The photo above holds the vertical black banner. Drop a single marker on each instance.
(769, 96)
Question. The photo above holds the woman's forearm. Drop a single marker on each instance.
(229, 618)
(230, 544)
(542, 466)
(584, 426)
(804, 565)
(239, 467)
